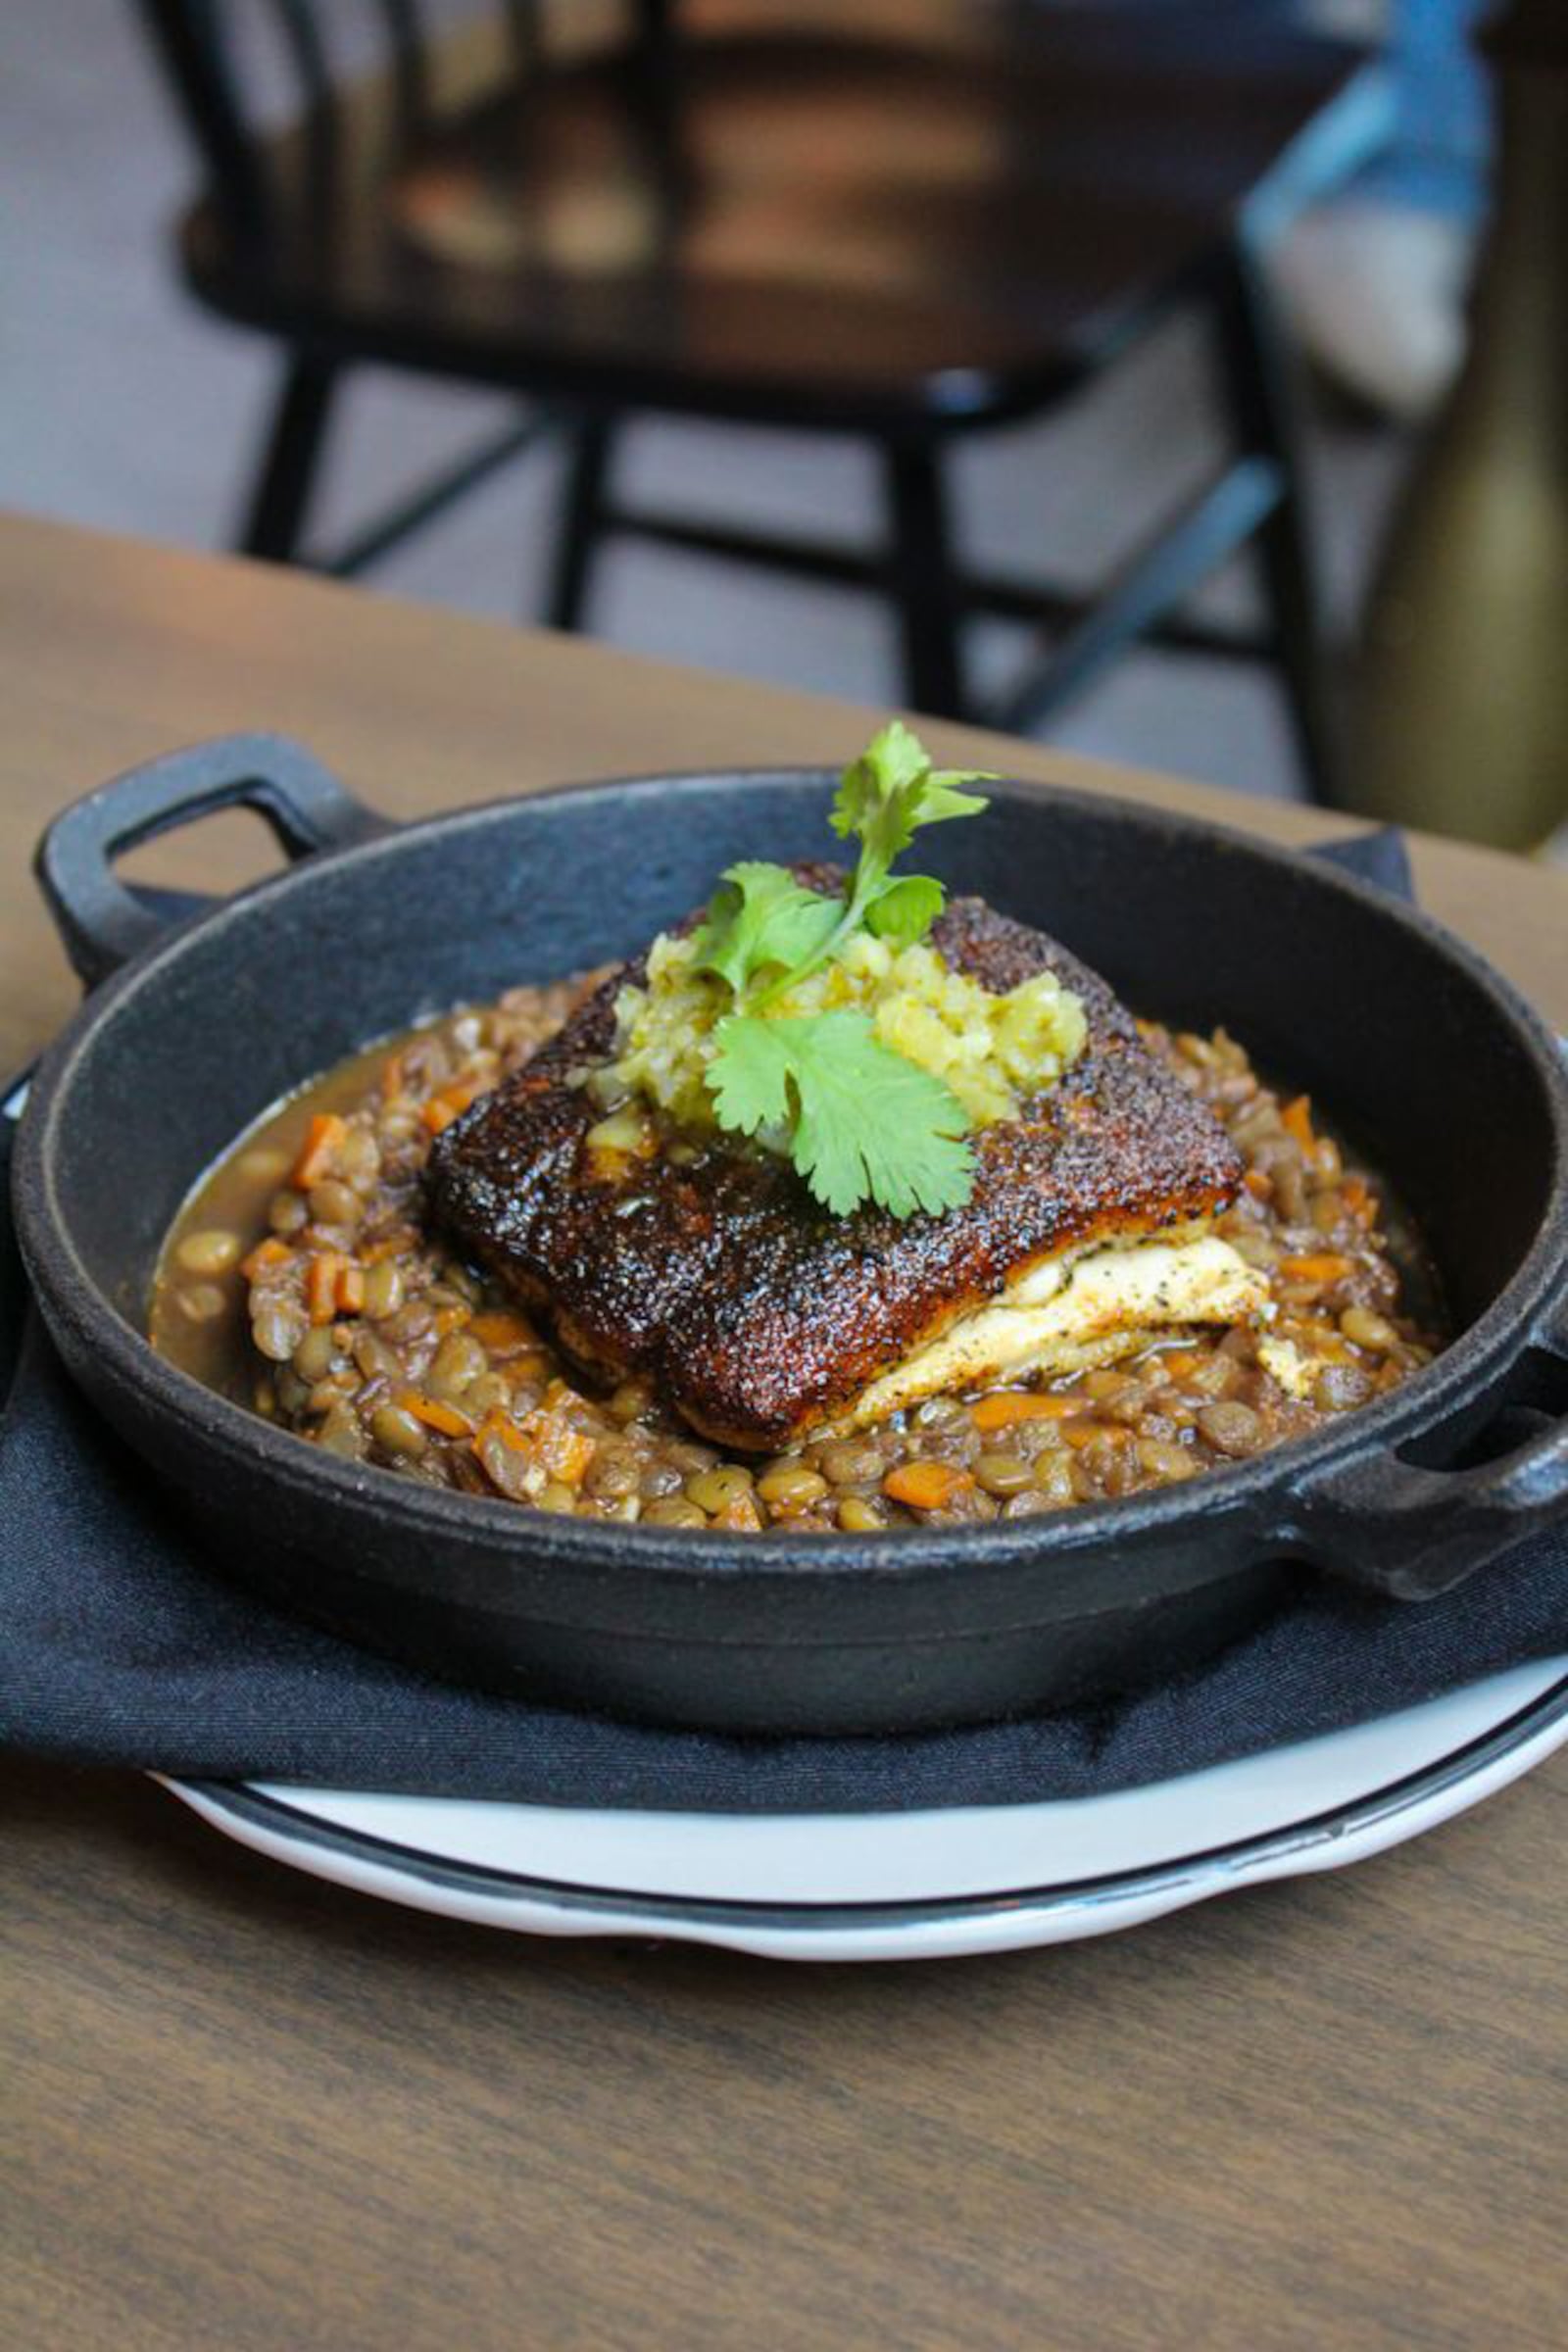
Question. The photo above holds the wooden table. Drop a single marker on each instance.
(240, 2109)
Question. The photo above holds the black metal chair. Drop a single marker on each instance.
(915, 222)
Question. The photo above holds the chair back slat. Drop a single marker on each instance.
(210, 71)
(194, 40)
(302, 37)
(189, 36)
(405, 33)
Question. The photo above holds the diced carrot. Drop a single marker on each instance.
(1296, 1119)
(271, 1252)
(1360, 1199)
(1260, 1185)
(1003, 1407)
(546, 1439)
(320, 1285)
(1320, 1266)
(925, 1486)
(450, 1102)
(565, 1452)
(1084, 1433)
(390, 1244)
(500, 1332)
(351, 1290)
(497, 1424)
(740, 1512)
(1179, 1360)
(321, 1138)
(434, 1414)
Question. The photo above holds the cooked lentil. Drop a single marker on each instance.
(299, 1279)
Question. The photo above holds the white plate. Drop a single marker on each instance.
(915, 1885)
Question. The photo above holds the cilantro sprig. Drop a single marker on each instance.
(864, 1123)
(861, 1121)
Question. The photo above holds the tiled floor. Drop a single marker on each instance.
(123, 406)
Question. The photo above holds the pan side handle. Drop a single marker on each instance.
(1412, 1530)
(100, 920)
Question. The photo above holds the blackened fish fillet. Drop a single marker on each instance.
(756, 1313)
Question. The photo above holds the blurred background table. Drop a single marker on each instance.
(249, 2110)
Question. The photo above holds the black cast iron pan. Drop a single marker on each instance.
(1447, 1079)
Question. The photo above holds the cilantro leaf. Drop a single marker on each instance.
(891, 789)
(865, 1123)
(883, 798)
(945, 797)
(749, 1076)
(906, 909)
(761, 916)
(878, 794)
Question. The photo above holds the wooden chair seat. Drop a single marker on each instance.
(946, 218)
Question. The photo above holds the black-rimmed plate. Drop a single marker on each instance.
(915, 1885)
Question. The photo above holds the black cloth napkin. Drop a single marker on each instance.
(121, 1644)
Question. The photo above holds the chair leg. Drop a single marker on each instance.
(923, 582)
(1256, 377)
(275, 521)
(591, 447)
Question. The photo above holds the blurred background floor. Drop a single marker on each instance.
(124, 407)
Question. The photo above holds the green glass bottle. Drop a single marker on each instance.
(1459, 704)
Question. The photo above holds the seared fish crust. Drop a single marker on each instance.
(758, 1314)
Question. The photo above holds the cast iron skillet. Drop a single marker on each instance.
(1445, 1076)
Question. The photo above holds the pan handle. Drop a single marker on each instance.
(101, 921)
(1410, 1532)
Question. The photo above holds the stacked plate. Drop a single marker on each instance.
(916, 1885)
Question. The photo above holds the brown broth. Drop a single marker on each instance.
(232, 1196)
